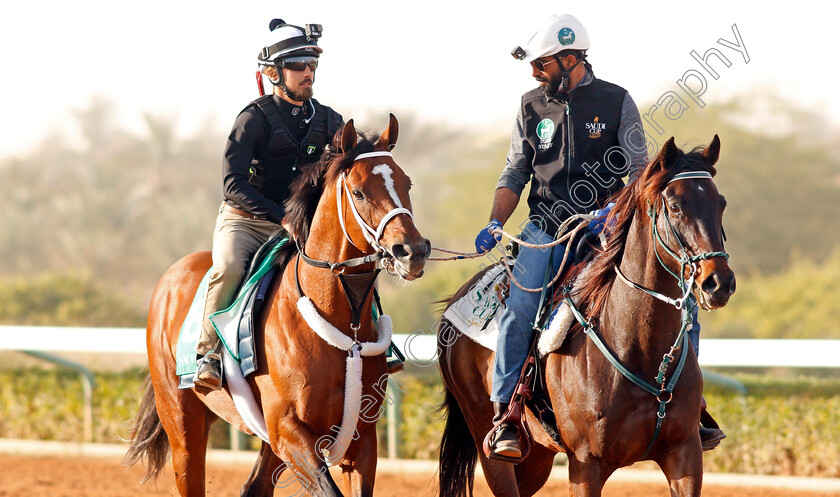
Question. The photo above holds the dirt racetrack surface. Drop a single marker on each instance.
(36, 476)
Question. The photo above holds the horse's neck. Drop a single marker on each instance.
(327, 242)
(640, 326)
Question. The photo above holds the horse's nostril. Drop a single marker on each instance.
(399, 251)
(711, 284)
(428, 249)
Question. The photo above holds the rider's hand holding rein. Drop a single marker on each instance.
(597, 225)
(486, 238)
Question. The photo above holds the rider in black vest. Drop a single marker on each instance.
(277, 139)
(574, 139)
(272, 138)
(569, 168)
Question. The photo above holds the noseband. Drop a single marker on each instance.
(371, 235)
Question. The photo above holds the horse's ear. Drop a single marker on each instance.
(668, 155)
(389, 138)
(348, 137)
(712, 152)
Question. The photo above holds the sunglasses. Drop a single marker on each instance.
(299, 63)
(540, 64)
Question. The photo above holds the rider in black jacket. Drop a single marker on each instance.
(272, 138)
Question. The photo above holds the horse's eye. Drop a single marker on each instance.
(358, 194)
(675, 208)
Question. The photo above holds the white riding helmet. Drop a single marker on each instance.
(286, 40)
(557, 33)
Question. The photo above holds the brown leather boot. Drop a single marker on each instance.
(505, 439)
(710, 432)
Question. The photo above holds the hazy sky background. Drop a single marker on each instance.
(437, 60)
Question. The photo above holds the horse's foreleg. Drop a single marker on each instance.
(359, 471)
(309, 473)
(534, 471)
(586, 479)
(684, 469)
(267, 470)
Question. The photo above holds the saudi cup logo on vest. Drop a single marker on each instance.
(595, 128)
(545, 132)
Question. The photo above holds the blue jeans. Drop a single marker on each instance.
(694, 331)
(516, 323)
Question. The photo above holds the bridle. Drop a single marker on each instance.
(371, 235)
(664, 391)
(356, 286)
(685, 260)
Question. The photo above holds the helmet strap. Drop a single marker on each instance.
(260, 85)
(563, 87)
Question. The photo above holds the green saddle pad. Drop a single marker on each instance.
(185, 350)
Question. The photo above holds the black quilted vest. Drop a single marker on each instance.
(273, 170)
(577, 163)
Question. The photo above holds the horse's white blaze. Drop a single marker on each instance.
(386, 172)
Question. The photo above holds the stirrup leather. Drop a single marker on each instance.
(515, 415)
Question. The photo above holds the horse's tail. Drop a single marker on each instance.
(458, 451)
(148, 440)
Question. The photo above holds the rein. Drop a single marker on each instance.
(664, 392)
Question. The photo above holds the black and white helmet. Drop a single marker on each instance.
(287, 40)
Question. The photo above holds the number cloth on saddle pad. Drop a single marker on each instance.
(476, 314)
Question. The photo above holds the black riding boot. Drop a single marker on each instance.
(710, 432)
(505, 440)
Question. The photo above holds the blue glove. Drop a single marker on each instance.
(597, 225)
(486, 239)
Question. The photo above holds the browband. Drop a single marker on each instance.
(691, 175)
(368, 155)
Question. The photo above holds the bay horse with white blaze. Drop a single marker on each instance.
(665, 233)
(300, 382)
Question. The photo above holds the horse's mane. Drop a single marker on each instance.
(592, 289)
(309, 185)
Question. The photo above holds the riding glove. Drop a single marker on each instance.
(597, 225)
(486, 239)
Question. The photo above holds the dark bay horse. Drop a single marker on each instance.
(353, 203)
(604, 420)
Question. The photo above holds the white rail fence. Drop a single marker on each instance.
(420, 349)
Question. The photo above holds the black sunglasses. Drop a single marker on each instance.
(299, 63)
(539, 64)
